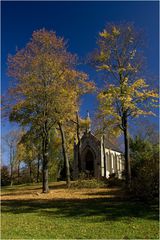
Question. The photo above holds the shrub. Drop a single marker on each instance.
(85, 182)
(114, 181)
(145, 169)
(5, 176)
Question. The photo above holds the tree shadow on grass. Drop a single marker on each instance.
(116, 193)
(15, 191)
(59, 186)
(106, 209)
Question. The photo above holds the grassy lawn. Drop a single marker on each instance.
(75, 214)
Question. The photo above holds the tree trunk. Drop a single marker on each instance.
(127, 157)
(30, 172)
(11, 177)
(18, 171)
(65, 155)
(11, 165)
(78, 144)
(104, 157)
(45, 188)
(38, 165)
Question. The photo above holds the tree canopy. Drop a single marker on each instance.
(45, 88)
(125, 94)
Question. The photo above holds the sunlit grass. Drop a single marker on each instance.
(83, 213)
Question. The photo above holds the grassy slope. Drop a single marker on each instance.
(85, 213)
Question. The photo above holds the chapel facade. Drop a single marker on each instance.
(92, 158)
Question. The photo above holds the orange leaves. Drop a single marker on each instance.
(47, 39)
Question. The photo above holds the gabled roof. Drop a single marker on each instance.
(112, 147)
(108, 144)
(90, 135)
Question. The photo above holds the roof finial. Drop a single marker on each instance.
(88, 114)
(88, 128)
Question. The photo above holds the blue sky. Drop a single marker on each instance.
(80, 23)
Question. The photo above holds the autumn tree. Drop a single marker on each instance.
(64, 112)
(125, 95)
(69, 95)
(20, 157)
(55, 154)
(42, 93)
(29, 156)
(30, 150)
(11, 139)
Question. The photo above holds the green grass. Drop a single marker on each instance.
(96, 218)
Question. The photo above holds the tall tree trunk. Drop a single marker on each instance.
(11, 165)
(11, 177)
(45, 188)
(78, 144)
(65, 154)
(18, 171)
(30, 172)
(104, 156)
(38, 165)
(127, 157)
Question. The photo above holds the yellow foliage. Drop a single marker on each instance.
(104, 34)
(116, 31)
(117, 56)
(117, 99)
(104, 67)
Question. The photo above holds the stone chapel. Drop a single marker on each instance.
(92, 157)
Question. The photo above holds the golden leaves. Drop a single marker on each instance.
(47, 86)
(104, 34)
(116, 100)
(115, 31)
(104, 67)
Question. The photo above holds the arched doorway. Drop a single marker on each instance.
(89, 163)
